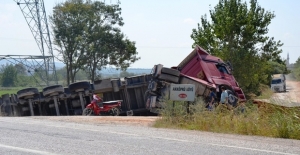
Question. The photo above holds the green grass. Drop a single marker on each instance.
(266, 92)
(267, 120)
(11, 90)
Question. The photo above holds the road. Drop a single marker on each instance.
(47, 136)
(291, 97)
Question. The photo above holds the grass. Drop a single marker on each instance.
(266, 92)
(267, 120)
(11, 90)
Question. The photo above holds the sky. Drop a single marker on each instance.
(160, 28)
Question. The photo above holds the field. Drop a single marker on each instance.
(11, 90)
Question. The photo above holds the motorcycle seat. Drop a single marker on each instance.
(112, 102)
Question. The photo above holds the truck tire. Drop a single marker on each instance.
(169, 78)
(232, 99)
(80, 85)
(170, 71)
(27, 92)
(115, 112)
(59, 89)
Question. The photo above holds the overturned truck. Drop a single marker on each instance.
(199, 68)
(143, 94)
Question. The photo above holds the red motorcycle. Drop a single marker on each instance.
(98, 107)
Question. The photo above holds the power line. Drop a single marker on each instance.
(3, 38)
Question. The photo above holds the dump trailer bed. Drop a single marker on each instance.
(131, 90)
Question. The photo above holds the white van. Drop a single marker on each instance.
(278, 83)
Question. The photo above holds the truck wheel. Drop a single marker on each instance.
(169, 78)
(27, 92)
(80, 85)
(232, 99)
(115, 112)
(53, 89)
(170, 71)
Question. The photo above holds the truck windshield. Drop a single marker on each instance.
(222, 69)
(276, 81)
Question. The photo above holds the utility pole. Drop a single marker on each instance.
(36, 18)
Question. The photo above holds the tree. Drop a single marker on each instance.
(297, 63)
(278, 68)
(105, 44)
(21, 69)
(126, 74)
(9, 76)
(296, 70)
(237, 33)
(68, 24)
(88, 36)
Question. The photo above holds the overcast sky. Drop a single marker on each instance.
(160, 28)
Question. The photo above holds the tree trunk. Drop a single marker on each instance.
(68, 74)
(93, 73)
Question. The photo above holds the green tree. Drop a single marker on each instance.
(237, 33)
(9, 76)
(296, 70)
(68, 23)
(21, 69)
(87, 34)
(297, 63)
(126, 74)
(105, 44)
(278, 68)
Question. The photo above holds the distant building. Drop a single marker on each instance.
(288, 65)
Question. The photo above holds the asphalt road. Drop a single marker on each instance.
(26, 135)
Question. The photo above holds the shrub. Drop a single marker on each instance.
(247, 119)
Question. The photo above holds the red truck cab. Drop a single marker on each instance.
(200, 64)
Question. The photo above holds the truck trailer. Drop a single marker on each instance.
(142, 94)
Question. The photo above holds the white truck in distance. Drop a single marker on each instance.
(278, 83)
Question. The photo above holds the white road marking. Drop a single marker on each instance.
(26, 150)
(252, 149)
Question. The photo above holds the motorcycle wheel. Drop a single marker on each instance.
(87, 112)
(115, 112)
